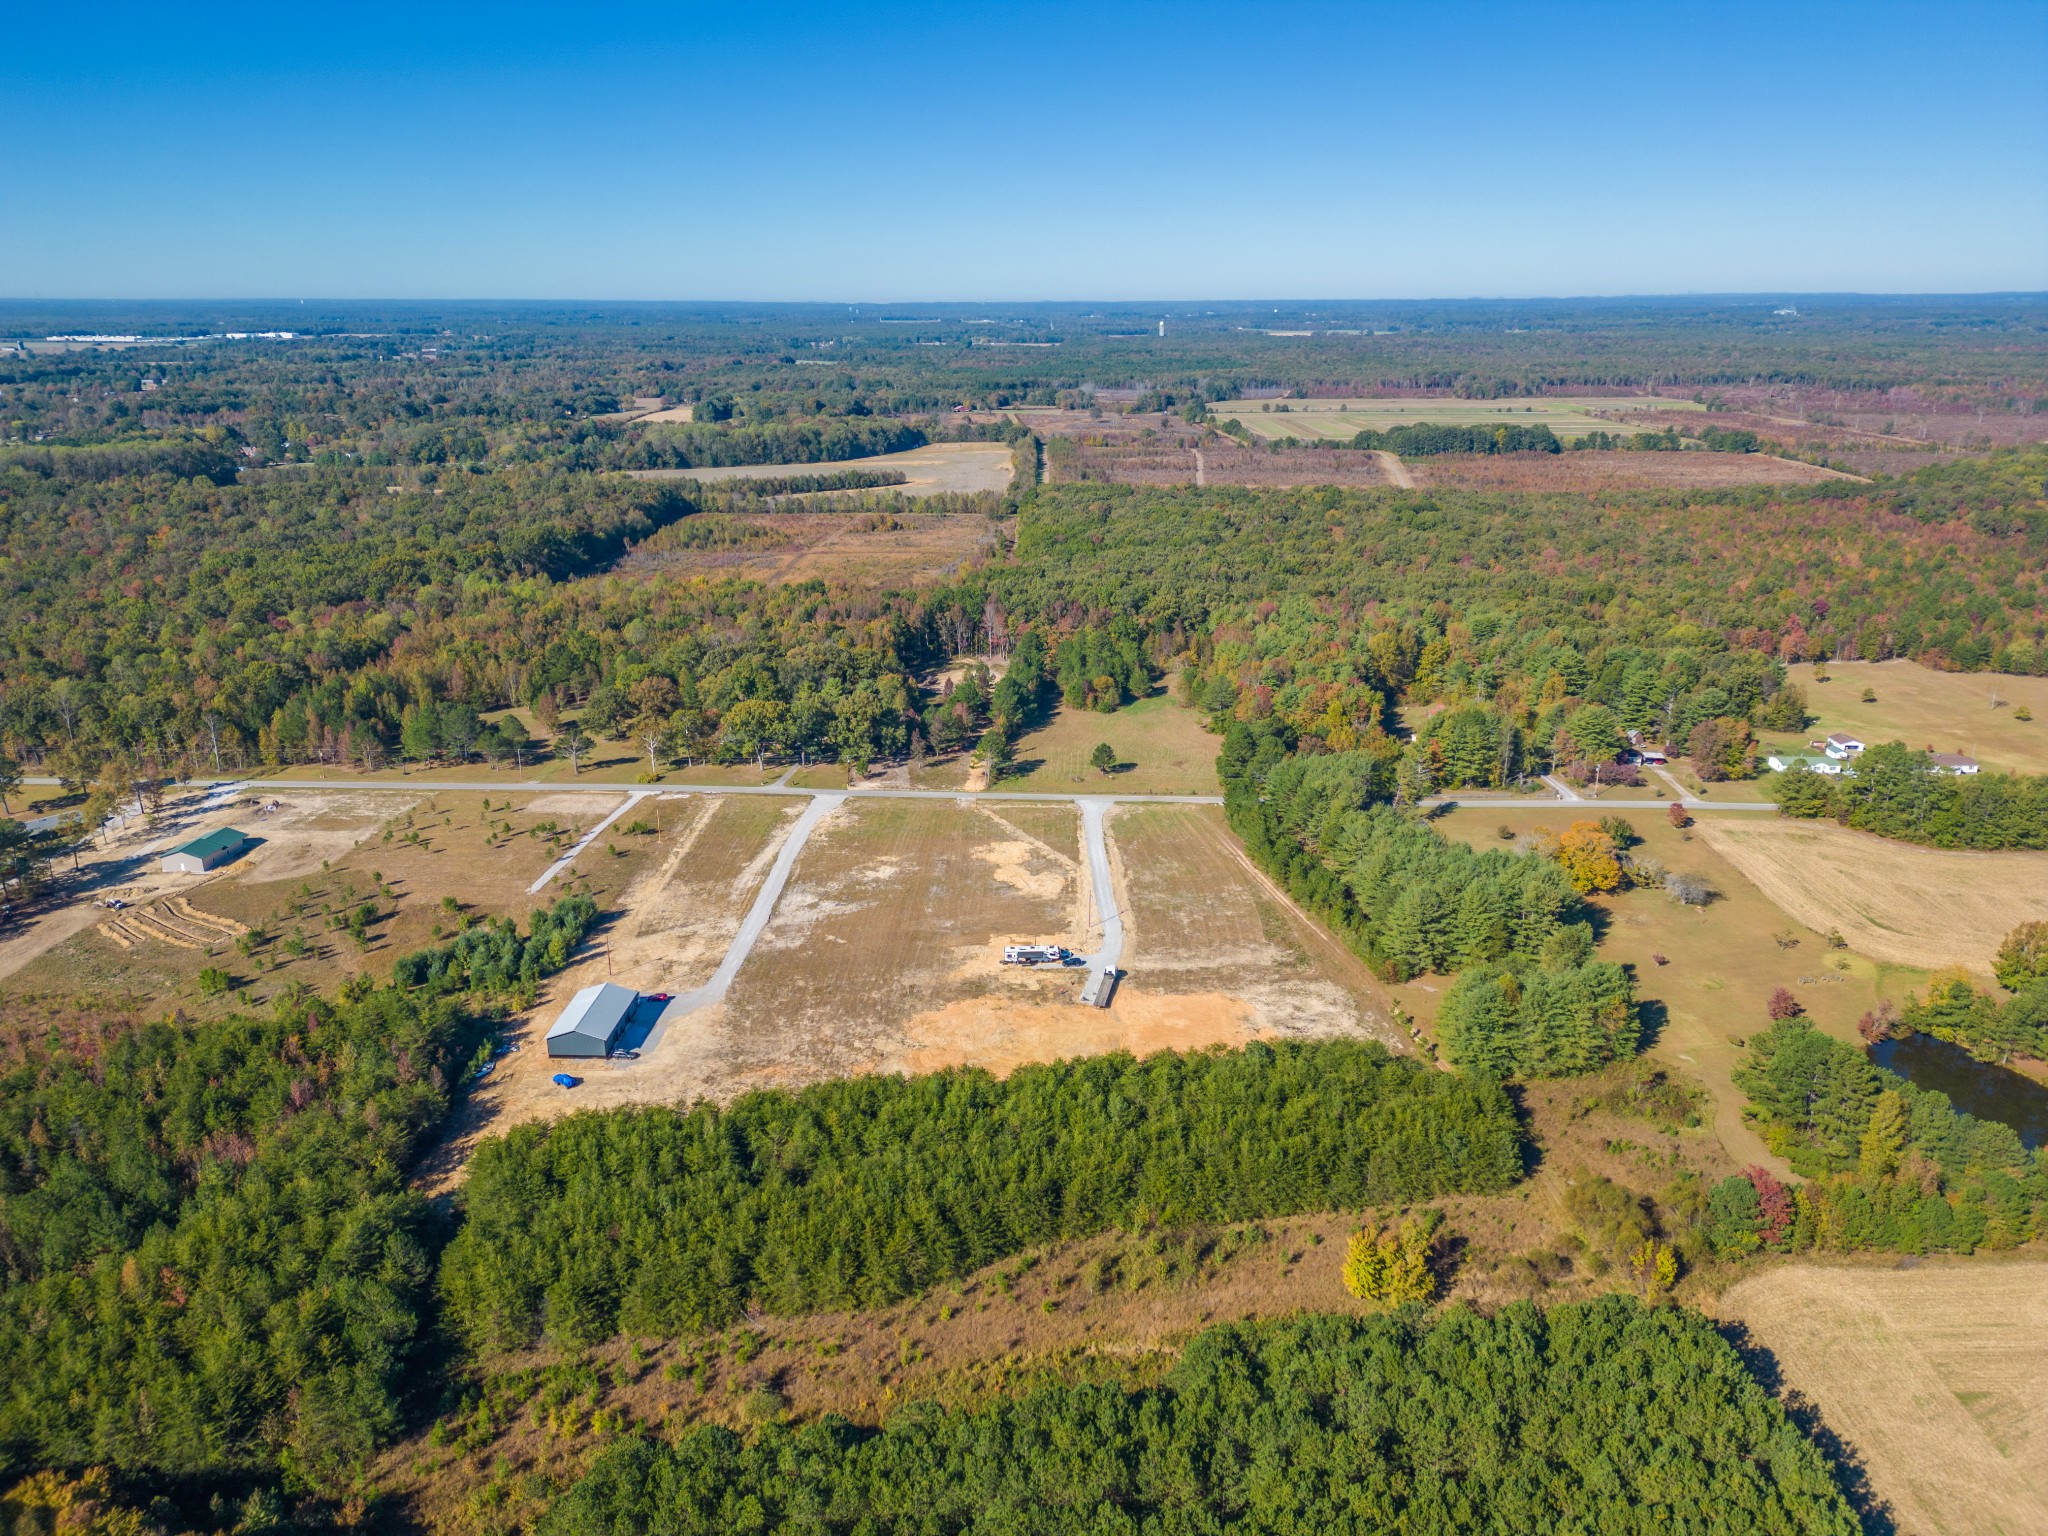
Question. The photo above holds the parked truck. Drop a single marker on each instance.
(1034, 954)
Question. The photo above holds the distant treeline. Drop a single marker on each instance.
(181, 458)
(1895, 792)
(855, 1194)
(700, 445)
(1599, 1417)
(1424, 439)
(804, 485)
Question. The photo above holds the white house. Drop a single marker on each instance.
(1840, 746)
(1951, 762)
(1779, 762)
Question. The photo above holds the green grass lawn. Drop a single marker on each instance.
(1161, 747)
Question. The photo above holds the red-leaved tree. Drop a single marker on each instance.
(1784, 1005)
(1776, 1201)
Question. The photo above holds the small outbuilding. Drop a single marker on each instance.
(221, 846)
(590, 1025)
(1841, 745)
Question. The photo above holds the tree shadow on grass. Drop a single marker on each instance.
(1844, 1461)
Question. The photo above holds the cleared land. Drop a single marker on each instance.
(1603, 469)
(1936, 1375)
(1161, 747)
(1720, 963)
(931, 469)
(1567, 416)
(879, 549)
(1210, 936)
(277, 916)
(1948, 711)
(1894, 902)
(1218, 460)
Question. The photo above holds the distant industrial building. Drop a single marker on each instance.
(221, 846)
(590, 1025)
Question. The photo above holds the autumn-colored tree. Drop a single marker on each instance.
(1392, 1267)
(1655, 1266)
(1775, 1200)
(2023, 957)
(1884, 1139)
(1678, 817)
(1590, 858)
(1783, 1005)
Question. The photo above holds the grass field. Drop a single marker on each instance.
(1600, 469)
(1161, 749)
(1722, 962)
(931, 469)
(1936, 1375)
(1568, 417)
(1894, 902)
(1948, 711)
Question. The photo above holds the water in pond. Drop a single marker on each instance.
(1974, 1087)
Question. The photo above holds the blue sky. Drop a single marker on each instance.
(960, 151)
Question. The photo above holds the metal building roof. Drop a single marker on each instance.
(595, 1013)
(217, 841)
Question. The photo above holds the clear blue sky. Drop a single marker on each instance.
(970, 151)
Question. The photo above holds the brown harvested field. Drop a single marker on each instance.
(1721, 962)
(930, 470)
(1968, 712)
(1220, 461)
(1936, 1376)
(323, 853)
(1206, 932)
(1894, 902)
(1602, 470)
(859, 548)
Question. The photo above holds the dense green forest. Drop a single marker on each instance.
(213, 1262)
(859, 1193)
(1603, 1417)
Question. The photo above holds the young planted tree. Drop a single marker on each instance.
(1103, 758)
(1392, 1267)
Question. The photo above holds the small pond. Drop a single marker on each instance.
(1974, 1087)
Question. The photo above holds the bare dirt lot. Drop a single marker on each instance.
(1601, 470)
(1937, 1376)
(1893, 902)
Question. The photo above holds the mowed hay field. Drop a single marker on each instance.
(1937, 1376)
(1566, 416)
(869, 549)
(1215, 953)
(1894, 902)
(928, 470)
(1948, 711)
(1720, 963)
(1161, 746)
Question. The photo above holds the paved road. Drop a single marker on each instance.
(632, 799)
(530, 786)
(1100, 888)
(823, 803)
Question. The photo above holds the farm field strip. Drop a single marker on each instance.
(1566, 416)
(1938, 1375)
(934, 468)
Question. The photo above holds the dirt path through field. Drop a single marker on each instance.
(1396, 470)
(1936, 1375)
